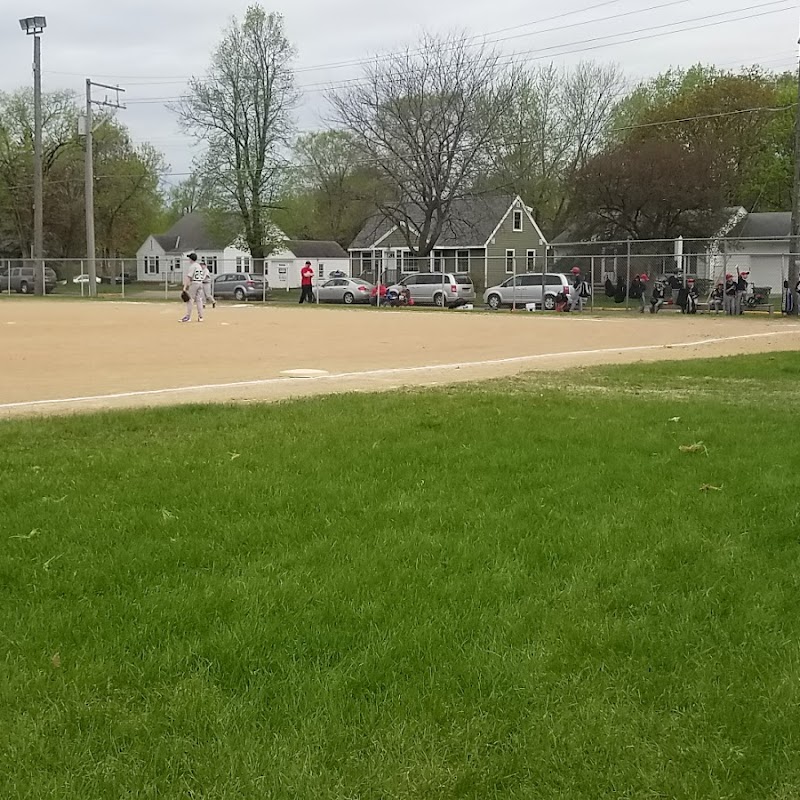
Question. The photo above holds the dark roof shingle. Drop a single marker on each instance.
(763, 225)
(305, 248)
(191, 232)
(471, 223)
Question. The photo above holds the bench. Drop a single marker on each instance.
(706, 306)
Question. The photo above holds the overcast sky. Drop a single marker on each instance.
(151, 46)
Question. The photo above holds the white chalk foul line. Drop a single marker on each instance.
(389, 371)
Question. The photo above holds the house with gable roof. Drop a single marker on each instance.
(162, 257)
(489, 237)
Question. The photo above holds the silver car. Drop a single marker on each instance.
(344, 290)
(240, 286)
(438, 288)
(527, 288)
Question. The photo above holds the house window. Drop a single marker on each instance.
(511, 261)
(462, 261)
(246, 263)
(438, 262)
(366, 262)
(408, 263)
(530, 261)
(151, 265)
(378, 262)
(238, 263)
(517, 220)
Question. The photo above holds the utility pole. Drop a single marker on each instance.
(794, 245)
(91, 269)
(33, 26)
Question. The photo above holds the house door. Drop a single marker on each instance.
(390, 267)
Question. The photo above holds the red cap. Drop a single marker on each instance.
(745, 272)
(729, 275)
(643, 277)
(690, 280)
(576, 270)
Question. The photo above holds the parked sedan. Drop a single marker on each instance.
(240, 286)
(85, 279)
(344, 290)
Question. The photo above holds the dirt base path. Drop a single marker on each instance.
(63, 357)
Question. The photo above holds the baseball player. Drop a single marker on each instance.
(578, 292)
(193, 292)
(742, 283)
(731, 288)
(208, 294)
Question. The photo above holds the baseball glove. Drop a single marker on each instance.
(185, 296)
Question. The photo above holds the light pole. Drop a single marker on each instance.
(33, 26)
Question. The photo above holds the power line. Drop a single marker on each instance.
(372, 162)
(597, 43)
(173, 80)
(336, 65)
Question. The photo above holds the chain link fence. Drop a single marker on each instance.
(521, 277)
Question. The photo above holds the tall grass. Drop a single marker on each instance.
(520, 589)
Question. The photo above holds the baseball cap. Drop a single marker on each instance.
(192, 256)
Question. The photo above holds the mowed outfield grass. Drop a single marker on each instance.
(517, 589)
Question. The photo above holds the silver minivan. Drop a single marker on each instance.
(527, 288)
(240, 286)
(438, 288)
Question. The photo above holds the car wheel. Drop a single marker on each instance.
(239, 294)
(23, 287)
(349, 298)
(549, 302)
(438, 300)
(494, 301)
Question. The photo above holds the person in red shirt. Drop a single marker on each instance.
(306, 279)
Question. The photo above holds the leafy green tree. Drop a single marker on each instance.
(332, 191)
(241, 109)
(721, 112)
(128, 200)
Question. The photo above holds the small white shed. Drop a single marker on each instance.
(284, 265)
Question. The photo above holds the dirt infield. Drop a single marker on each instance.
(58, 357)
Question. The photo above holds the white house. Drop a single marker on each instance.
(162, 257)
(759, 244)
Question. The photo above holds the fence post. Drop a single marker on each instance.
(166, 285)
(81, 274)
(628, 281)
(592, 285)
(8, 264)
(122, 277)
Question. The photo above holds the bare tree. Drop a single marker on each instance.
(425, 120)
(242, 109)
(557, 120)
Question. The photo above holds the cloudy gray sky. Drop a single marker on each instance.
(151, 46)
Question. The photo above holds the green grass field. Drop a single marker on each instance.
(518, 589)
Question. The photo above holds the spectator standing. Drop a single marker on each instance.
(306, 282)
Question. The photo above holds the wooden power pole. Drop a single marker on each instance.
(794, 243)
